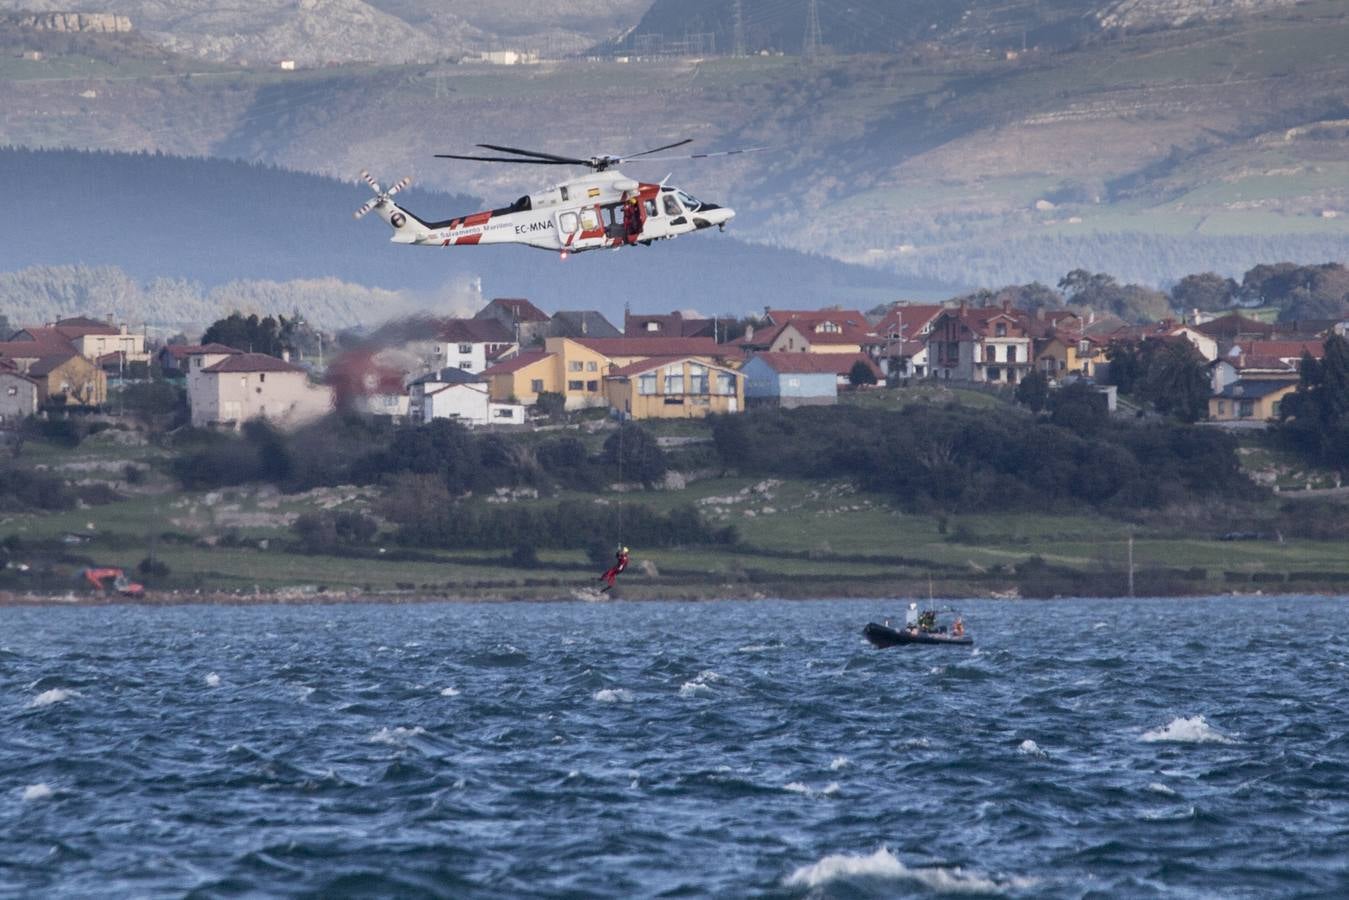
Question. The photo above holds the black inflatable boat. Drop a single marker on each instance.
(885, 636)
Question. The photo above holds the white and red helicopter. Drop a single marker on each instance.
(605, 209)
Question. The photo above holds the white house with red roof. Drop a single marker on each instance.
(462, 396)
(990, 344)
(242, 386)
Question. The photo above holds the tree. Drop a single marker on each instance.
(1315, 419)
(1208, 291)
(551, 404)
(636, 454)
(1033, 391)
(861, 374)
(249, 334)
(1078, 407)
(1175, 379)
(6, 329)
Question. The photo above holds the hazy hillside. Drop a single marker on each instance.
(207, 223)
(320, 32)
(1147, 150)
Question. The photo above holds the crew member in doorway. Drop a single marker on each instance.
(619, 566)
(633, 218)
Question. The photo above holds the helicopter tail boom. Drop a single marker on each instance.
(407, 228)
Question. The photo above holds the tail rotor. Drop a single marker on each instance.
(381, 196)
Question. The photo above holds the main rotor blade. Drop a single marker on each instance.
(705, 155)
(658, 149)
(508, 159)
(533, 153)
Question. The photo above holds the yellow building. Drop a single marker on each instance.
(70, 379)
(576, 367)
(675, 388)
(1249, 401)
(1059, 356)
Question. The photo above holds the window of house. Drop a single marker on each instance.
(575, 366)
(990, 354)
(697, 379)
(504, 413)
(1001, 329)
(536, 385)
(646, 384)
(674, 380)
(576, 385)
(592, 366)
(465, 348)
(674, 399)
(466, 365)
(994, 374)
(726, 384)
(653, 326)
(593, 386)
(1222, 407)
(1011, 354)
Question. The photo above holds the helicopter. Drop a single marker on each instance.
(593, 212)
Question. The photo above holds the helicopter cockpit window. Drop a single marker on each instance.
(689, 203)
(671, 207)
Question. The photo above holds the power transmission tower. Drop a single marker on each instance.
(811, 46)
(738, 13)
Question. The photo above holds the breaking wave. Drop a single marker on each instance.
(55, 695)
(1194, 730)
(37, 792)
(614, 695)
(884, 864)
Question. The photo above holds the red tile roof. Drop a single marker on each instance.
(815, 363)
(182, 351)
(473, 331)
(912, 318)
(519, 309)
(47, 364)
(651, 346)
(30, 349)
(1233, 325)
(656, 362)
(252, 362)
(516, 363)
(1284, 349)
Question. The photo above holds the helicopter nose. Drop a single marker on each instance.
(708, 216)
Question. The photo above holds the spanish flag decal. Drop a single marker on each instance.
(593, 192)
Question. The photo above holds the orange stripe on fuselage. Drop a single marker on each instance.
(477, 219)
(469, 239)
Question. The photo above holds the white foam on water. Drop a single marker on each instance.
(449, 692)
(1099, 625)
(701, 685)
(1194, 730)
(40, 791)
(839, 762)
(884, 864)
(1170, 815)
(797, 787)
(55, 695)
(1030, 748)
(395, 737)
(614, 695)
(758, 648)
(1158, 788)
(212, 679)
(918, 743)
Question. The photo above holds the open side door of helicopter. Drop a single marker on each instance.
(580, 229)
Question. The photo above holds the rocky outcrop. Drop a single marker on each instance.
(102, 23)
(1174, 13)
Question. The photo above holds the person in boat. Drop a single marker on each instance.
(618, 568)
(911, 617)
(927, 620)
(958, 627)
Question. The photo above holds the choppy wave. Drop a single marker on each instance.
(55, 695)
(212, 679)
(39, 791)
(884, 864)
(396, 737)
(449, 692)
(839, 762)
(1194, 730)
(1030, 748)
(614, 695)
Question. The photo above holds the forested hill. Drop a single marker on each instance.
(213, 221)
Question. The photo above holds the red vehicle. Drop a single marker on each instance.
(112, 578)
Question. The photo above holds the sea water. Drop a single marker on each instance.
(1148, 748)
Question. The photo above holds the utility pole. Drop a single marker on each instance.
(1131, 564)
(738, 17)
(811, 47)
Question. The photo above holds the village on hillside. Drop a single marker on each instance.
(512, 362)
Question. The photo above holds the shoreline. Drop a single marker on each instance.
(343, 598)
